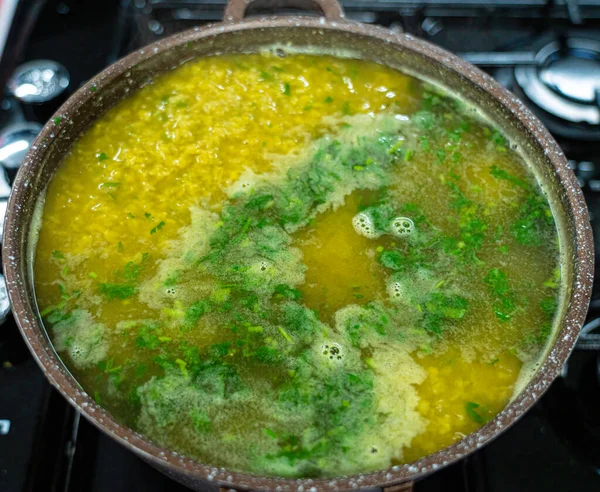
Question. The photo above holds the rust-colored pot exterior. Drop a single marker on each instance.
(333, 35)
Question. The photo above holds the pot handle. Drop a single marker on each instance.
(235, 10)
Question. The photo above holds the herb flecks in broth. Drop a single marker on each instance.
(329, 270)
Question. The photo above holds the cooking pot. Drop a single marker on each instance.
(330, 33)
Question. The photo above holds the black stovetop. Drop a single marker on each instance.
(45, 446)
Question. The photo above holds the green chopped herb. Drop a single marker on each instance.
(287, 292)
(505, 303)
(285, 334)
(440, 155)
(505, 175)
(201, 422)
(140, 370)
(498, 139)
(535, 222)
(160, 225)
(196, 311)
(549, 306)
(47, 311)
(182, 366)
(116, 291)
(473, 412)
(108, 366)
(439, 308)
(553, 282)
(270, 433)
(424, 119)
(58, 255)
(147, 337)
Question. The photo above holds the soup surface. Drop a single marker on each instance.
(296, 265)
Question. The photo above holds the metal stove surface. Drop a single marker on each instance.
(45, 446)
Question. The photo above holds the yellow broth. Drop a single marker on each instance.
(296, 266)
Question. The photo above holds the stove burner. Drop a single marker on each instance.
(38, 81)
(588, 340)
(15, 142)
(565, 80)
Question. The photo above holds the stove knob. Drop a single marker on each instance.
(15, 141)
(40, 85)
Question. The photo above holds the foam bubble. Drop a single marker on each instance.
(402, 227)
(333, 351)
(82, 338)
(396, 290)
(363, 225)
(247, 182)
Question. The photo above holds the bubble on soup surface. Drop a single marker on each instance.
(332, 351)
(402, 227)
(363, 225)
(396, 290)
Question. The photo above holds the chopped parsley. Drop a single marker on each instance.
(474, 412)
(505, 300)
(58, 255)
(505, 175)
(116, 291)
(160, 225)
(534, 223)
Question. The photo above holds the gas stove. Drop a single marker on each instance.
(547, 52)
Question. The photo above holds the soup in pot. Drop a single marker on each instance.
(297, 265)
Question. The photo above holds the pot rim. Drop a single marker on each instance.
(18, 275)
